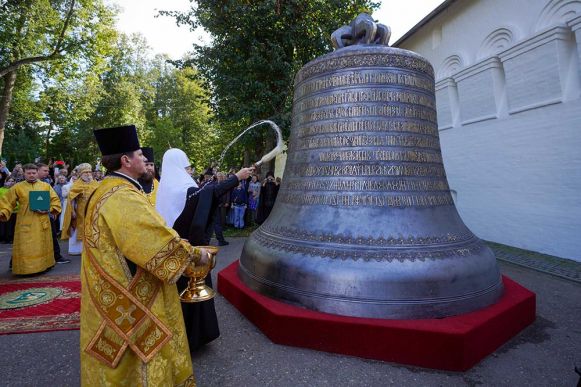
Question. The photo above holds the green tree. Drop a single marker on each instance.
(66, 36)
(129, 86)
(181, 115)
(66, 104)
(23, 140)
(257, 48)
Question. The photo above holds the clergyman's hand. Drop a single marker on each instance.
(204, 257)
(244, 173)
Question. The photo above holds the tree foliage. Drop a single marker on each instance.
(51, 41)
(257, 48)
(180, 116)
(56, 108)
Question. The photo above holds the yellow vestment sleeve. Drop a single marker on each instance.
(143, 237)
(7, 204)
(77, 189)
(67, 219)
(55, 202)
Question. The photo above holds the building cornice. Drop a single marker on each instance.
(445, 82)
(424, 21)
(575, 23)
(553, 33)
(490, 63)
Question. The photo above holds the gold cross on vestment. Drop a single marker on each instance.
(125, 314)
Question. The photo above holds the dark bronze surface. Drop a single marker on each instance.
(364, 224)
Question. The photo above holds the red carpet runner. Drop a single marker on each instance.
(454, 343)
(40, 304)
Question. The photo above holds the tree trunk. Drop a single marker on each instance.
(47, 141)
(269, 166)
(246, 162)
(5, 99)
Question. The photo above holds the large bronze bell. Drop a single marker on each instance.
(364, 224)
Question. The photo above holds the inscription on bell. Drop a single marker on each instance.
(370, 141)
(366, 170)
(367, 125)
(367, 78)
(365, 60)
(380, 155)
(367, 200)
(366, 185)
(396, 111)
(372, 95)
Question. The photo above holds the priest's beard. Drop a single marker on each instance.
(147, 177)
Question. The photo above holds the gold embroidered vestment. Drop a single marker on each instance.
(32, 251)
(132, 329)
(79, 195)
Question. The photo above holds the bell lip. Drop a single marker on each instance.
(386, 309)
(390, 290)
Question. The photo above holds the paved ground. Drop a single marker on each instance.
(542, 355)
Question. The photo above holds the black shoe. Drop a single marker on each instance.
(62, 260)
(223, 243)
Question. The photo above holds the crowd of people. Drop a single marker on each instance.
(248, 204)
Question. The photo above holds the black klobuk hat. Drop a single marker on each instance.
(148, 153)
(120, 139)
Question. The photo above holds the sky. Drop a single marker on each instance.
(163, 36)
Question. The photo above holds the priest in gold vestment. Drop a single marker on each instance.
(132, 329)
(148, 180)
(32, 251)
(81, 190)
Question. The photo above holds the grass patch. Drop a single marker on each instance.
(562, 262)
(239, 232)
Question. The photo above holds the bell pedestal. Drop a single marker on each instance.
(454, 343)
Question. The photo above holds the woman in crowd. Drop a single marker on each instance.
(268, 193)
(17, 173)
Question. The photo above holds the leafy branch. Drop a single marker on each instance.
(57, 52)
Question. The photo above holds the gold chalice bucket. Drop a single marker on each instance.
(197, 290)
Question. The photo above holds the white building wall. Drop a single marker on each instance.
(508, 90)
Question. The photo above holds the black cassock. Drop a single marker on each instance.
(195, 225)
(268, 193)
